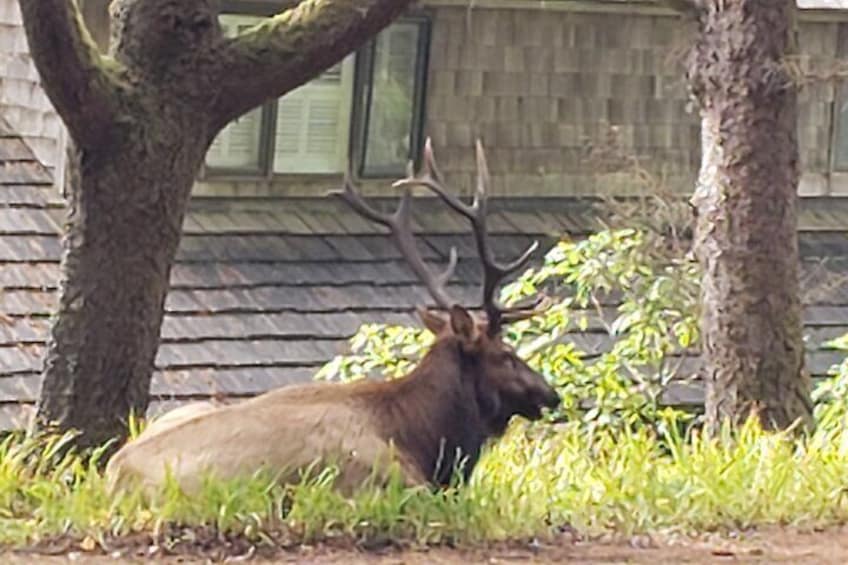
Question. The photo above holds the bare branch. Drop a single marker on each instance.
(293, 47)
(73, 74)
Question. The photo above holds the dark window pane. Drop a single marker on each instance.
(238, 147)
(391, 108)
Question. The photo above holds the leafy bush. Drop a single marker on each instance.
(831, 396)
(622, 380)
(630, 290)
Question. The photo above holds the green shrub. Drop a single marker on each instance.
(831, 396)
(536, 480)
(619, 385)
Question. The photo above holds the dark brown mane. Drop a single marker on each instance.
(434, 414)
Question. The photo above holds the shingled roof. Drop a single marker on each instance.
(266, 291)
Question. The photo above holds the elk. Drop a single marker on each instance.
(431, 422)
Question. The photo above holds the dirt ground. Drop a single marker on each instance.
(766, 546)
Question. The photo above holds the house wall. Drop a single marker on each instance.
(544, 88)
(22, 101)
(548, 89)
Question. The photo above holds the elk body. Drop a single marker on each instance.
(463, 392)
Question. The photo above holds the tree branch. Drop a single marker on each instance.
(72, 70)
(294, 47)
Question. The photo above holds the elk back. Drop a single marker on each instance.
(283, 431)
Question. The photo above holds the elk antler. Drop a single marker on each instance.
(493, 272)
(400, 225)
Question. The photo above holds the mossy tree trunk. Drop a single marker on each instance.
(746, 201)
(141, 120)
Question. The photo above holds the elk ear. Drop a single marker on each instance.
(463, 325)
(433, 321)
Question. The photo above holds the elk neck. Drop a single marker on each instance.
(432, 414)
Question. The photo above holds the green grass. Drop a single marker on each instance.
(535, 479)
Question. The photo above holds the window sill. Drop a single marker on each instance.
(293, 177)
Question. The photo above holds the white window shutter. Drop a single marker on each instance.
(313, 123)
(237, 145)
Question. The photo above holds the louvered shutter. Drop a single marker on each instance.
(313, 123)
(237, 146)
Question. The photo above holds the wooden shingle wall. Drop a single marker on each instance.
(22, 101)
(542, 88)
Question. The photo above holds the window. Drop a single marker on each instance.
(313, 124)
(237, 147)
(391, 95)
(368, 107)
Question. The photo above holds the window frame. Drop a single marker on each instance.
(364, 89)
(840, 97)
(359, 119)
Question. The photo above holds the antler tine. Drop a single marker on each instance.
(493, 272)
(431, 178)
(354, 199)
(539, 306)
(400, 226)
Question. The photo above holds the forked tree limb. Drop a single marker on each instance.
(290, 48)
(82, 88)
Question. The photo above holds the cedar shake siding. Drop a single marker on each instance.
(543, 87)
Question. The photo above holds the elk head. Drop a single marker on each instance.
(504, 384)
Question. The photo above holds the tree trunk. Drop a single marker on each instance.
(143, 119)
(746, 201)
(119, 246)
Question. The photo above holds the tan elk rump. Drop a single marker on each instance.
(463, 392)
